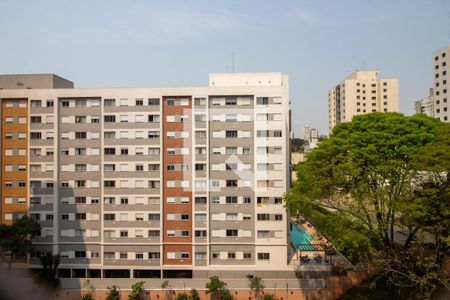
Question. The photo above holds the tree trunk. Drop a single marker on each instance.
(410, 238)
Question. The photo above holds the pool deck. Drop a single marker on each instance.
(295, 255)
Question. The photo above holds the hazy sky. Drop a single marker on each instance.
(177, 43)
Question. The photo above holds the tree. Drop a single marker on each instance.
(256, 284)
(182, 296)
(215, 287)
(297, 145)
(194, 295)
(113, 293)
(269, 297)
(48, 275)
(137, 291)
(15, 239)
(167, 288)
(88, 291)
(365, 182)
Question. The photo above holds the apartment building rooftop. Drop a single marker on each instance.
(34, 81)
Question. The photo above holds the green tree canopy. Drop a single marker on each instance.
(15, 239)
(375, 175)
(215, 287)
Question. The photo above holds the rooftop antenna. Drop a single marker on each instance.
(364, 65)
(232, 62)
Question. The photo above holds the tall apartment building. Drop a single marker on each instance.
(311, 135)
(361, 93)
(150, 182)
(425, 105)
(441, 68)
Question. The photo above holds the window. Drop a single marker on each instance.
(262, 100)
(35, 120)
(80, 168)
(232, 183)
(153, 118)
(80, 183)
(200, 255)
(153, 134)
(263, 234)
(35, 135)
(109, 167)
(263, 256)
(231, 134)
(124, 151)
(124, 233)
(80, 103)
(231, 216)
(263, 217)
(109, 119)
(80, 254)
(108, 135)
(153, 233)
(184, 255)
(154, 255)
(110, 102)
(80, 200)
(153, 101)
(231, 255)
(153, 184)
(153, 167)
(80, 151)
(231, 199)
(80, 135)
(139, 255)
(231, 150)
(230, 101)
(109, 183)
(36, 103)
(139, 102)
(80, 216)
(80, 119)
(109, 217)
(200, 200)
(153, 217)
(231, 232)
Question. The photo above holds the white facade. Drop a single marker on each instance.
(361, 93)
(441, 69)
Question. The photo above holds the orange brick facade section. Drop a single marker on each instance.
(177, 244)
(15, 144)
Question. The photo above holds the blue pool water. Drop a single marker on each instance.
(299, 236)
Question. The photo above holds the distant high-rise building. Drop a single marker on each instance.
(426, 105)
(361, 93)
(305, 132)
(441, 62)
(311, 135)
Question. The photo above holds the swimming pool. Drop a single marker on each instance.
(299, 236)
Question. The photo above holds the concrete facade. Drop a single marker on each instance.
(426, 105)
(361, 93)
(162, 180)
(441, 69)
